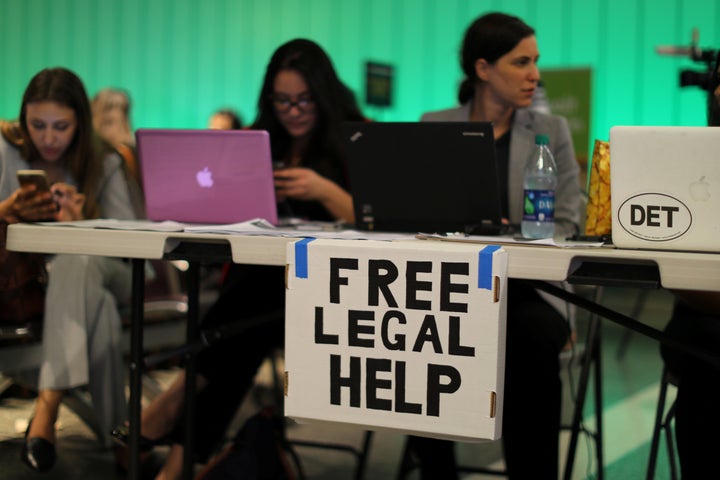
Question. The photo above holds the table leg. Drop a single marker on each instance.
(703, 354)
(136, 363)
(193, 278)
(590, 362)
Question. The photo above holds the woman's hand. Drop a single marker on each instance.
(302, 183)
(70, 202)
(27, 204)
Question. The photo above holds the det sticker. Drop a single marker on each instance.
(655, 217)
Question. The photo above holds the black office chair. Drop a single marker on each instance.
(663, 423)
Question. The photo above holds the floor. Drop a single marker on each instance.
(630, 390)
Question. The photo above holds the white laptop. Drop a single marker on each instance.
(665, 187)
(207, 176)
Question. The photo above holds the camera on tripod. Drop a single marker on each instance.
(706, 80)
(709, 80)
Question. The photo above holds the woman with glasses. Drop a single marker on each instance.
(302, 105)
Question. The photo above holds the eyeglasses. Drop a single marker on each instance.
(284, 104)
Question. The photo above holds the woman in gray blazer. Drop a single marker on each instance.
(526, 123)
(499, 59)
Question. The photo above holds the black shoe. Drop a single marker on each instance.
(121, 435)
(38, 453)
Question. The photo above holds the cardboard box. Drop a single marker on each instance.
(407, 336)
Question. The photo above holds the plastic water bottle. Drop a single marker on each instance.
(539, 184)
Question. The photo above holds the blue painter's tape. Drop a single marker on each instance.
(485, 272)
(301, 257)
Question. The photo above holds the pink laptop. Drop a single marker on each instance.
(207, 176)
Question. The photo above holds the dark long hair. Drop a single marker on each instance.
(334, 102)
(63, 87)
(489, 37)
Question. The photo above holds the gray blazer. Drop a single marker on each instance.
(528, 123)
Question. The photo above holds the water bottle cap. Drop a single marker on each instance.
(541, 139)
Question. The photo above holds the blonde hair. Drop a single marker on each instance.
(111, 130)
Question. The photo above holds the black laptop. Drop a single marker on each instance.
(429, 177)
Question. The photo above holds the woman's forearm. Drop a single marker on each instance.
(338, 202)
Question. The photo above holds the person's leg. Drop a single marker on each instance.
(43, 421)
(536, 333)
(160, 416)
(696, 409)
(217, 404)
(227, 368)
(107, 286)
(38, 450)
(172, 469)
(249, 292)
(436, 457)
(81, 333)
(696, 425)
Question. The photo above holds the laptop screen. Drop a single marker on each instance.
(664, 183)
(431, 177)
(207, 176)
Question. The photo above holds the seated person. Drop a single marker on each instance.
(695, 321)
(225, 119)
(81, 342)
(302, 105)
(111, 120)
(499, 59)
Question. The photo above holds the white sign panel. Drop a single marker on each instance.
(400, 335)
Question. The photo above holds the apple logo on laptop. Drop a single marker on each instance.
(700, 190)
(204, 178)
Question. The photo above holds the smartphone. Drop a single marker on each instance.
(279, 165)
(40, 180)
(34, 177)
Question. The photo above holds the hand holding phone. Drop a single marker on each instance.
(70, 202)
(34, 177)
(36, 204)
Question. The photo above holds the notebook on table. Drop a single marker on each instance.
(430, 177)
(207, 176)
(665, 187)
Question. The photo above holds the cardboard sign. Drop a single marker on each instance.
(399, 335)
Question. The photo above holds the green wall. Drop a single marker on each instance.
(181, 59)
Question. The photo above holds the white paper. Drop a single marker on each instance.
(114, 224)
(259, 226)
(547, 242)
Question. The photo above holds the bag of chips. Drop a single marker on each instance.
(598, 213)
